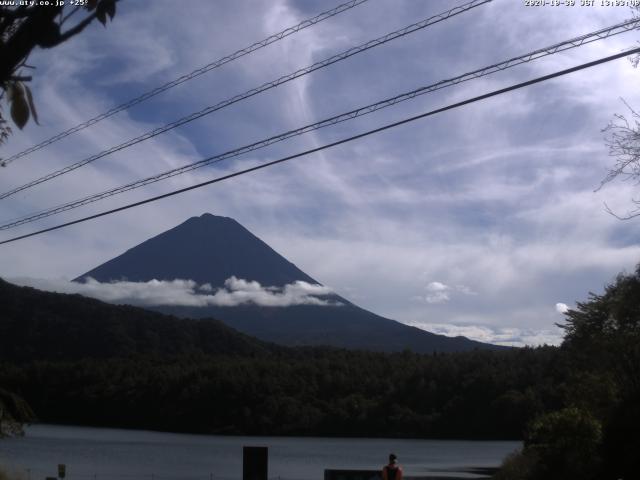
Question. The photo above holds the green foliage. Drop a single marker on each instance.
(14, 411)
(77, 360)
(596, 433)
(613, 314)
(567, 441)
(39, 325)
(80, 361)
(14, 407)
(622, 440)
(20, 100)
(603, 334)
(311, 391)
(518, 466)
(561, 445)
(25, 27)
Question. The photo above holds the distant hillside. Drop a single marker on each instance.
(51, 326)
(81, 361)
(347, 326)
(210, 249)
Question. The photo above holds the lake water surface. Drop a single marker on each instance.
(102, 454)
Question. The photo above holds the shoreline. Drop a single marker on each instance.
(240, 435)
(192, 457)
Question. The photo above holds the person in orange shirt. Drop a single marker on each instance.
(392, 471)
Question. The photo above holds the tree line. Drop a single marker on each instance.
(577, 406)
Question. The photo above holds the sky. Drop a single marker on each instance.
(484, 221)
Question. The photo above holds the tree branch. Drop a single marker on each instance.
(76, 30)
(69, 15)
(628, 216)
(20, 44)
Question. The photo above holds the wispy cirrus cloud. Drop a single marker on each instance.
(497, 195)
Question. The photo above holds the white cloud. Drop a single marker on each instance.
(466, 290)
(238, 291)
(562, 308)
(187, 293)
(436, 287)
(438, 297)
(438, 292)
(497, 195)
(515, 337)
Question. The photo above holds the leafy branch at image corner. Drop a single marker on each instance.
(24, 28)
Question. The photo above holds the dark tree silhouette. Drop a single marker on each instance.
(25, 27)
(14, 411)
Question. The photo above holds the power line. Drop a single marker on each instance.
(512, 62)
(333, 144)
(254, 91)
(195, 73)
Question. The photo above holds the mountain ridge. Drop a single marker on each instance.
(209, 249)
(38, 325)
(143, 265)
(81, 361)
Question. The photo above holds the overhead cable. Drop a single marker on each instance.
(333, 144)
(195, 73)
(254, 91)
(361, 111)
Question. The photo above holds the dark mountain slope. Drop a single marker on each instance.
(81, 361)
(210, 249)
(206, 249)
(346, 326)
(36, 325)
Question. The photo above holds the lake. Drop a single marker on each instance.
(115, 454)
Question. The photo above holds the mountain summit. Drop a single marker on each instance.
(210, 249)
(205, 249)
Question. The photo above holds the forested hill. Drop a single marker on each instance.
(80, 361)
(37, 325)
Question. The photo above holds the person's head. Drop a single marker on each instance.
(393, 458)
